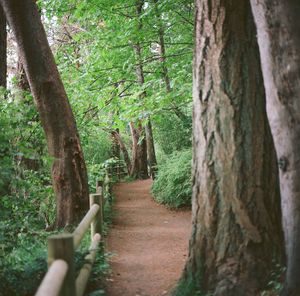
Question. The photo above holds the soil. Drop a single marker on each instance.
(148, 242)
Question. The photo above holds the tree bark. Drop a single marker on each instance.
(139, 167)
(23, 83)
(235, 206)
(278, 31)
(123, 148)
(162, 48)
(115, 145)
(150, 150)
(3, 49)
(69, 174)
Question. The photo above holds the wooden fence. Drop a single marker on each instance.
(60, 278)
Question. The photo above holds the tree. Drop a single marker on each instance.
(3, 48)
(139, 152)
(278, 31)
(69, 174)
(117, 138)
(150, 149)
(236, 211)
(149, 154)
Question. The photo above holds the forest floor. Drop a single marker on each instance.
(148, 242)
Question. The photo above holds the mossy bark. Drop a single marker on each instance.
(236, 206)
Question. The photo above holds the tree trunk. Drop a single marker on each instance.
(165, 72)
(123, 148)
(23, 83)
(3, 49)
(69, 174)
(278, 31)
(139, 167)
(115, 145)
(235, 206)
(150, 150)
(148, 144)
(116, 152)
(162, 49)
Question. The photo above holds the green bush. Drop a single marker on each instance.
(173, 185)
(23, 264)
(173, 134)
(22, 270)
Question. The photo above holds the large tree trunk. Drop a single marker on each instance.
(235, 205)
(68, 171)
(3, 49)
(278, 31)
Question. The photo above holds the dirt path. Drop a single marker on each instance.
(149, 243)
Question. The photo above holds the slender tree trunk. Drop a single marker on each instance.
(3, 49)
(235, 206)
(69, 174)
(148, 144)
(165, 71)
(278, 31)
(116, 152)
(123, 148)
(115, 146)
(162, 49)
(150, 149)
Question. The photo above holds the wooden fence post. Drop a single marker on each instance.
(99, 186)
(108, 187)
(100, 189)
(97, 224)
(61, 246)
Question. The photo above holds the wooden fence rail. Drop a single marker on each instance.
(60, 278)
(53, 280)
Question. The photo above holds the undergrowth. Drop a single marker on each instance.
(23, 240)
(172, 185)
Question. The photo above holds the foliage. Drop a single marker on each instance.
(275, 285)
(190, 284)
(97, 149)
(26, 195)
(97, 60)
(93, 43)
(23, 262)
(173, 133)
(172, 185)
(27, 263)
(20, 135)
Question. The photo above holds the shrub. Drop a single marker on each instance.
(173, 134)
(172, 185)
